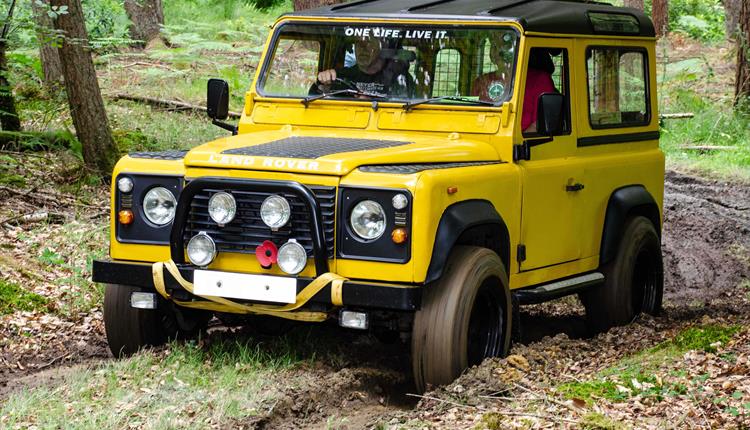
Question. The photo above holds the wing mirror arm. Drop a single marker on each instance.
(225, 126)
(550, 108)
(217, 105)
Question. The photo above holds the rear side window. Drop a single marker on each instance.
(617, 87)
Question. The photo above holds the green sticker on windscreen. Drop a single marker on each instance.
(496, 90)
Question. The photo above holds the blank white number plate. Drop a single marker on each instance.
(243, 286)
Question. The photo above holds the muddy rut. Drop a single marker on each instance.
(706, 245)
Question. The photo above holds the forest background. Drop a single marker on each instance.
(54, 210)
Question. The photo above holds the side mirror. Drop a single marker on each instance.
(218, 99)
(550, 114)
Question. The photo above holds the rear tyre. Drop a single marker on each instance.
(634, 280)
(129, 329)
(465, 317)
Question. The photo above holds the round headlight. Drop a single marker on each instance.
(275, 211)
(201, 249)
(125, 185)
(159, 205)
(292, 257)
(222, 207)
(368, 220)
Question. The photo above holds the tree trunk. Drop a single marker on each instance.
(309, 4)
(147, 18)
(84, 96)
(9, 119)
(731, 16)
(742, 79)
(660, 13)
(635, 4)
(48, 44)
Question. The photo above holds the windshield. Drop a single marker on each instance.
(401, 63)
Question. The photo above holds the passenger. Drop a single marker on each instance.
(371, 73)
(538, 82)
(493, 86)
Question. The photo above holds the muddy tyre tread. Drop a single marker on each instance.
(440, 334)
(619, 301)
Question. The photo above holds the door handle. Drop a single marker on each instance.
(574, 187)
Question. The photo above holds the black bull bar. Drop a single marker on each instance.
(177, 239)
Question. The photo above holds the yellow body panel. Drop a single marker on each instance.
(562, 231)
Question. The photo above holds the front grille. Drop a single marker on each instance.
(247, 230)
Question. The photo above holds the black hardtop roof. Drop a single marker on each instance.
(545, 16)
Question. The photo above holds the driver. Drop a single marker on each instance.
(371, 73)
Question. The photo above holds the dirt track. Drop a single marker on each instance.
(706, 246)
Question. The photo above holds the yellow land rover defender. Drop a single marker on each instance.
(418, 168)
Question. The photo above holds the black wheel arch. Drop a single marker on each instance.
(470, 222)
(627, 201)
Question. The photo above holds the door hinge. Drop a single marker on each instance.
(521, 253)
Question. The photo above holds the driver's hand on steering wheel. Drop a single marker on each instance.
(326, 77)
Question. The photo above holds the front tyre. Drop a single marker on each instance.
(634, 280)
(129, 329)
(465, 317)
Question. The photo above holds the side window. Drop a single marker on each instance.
(548, 71)
(617, 90)
(294, 68)
(447, 73)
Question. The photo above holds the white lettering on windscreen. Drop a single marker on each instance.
(395, 33)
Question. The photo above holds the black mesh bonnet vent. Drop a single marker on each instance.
(312, 147)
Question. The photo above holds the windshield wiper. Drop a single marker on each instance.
(307, 100)
(409, 105)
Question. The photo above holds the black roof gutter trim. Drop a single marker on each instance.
(402, 16)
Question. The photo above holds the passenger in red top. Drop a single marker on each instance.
(538, 82)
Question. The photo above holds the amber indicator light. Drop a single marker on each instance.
(398, 235)
(125, 217)
(452, 190)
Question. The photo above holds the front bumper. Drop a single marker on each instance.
(359, 294)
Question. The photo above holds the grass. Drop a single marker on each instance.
(141, 128)
(187, 385)
(638, 374)
(710, 127)
(14, 298)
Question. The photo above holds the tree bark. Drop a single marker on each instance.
(742, 78)
(731, 16)
(635, 4)
(309, 4)
(9, 120)
(84, 95)
(660, 13)
(147, 18)
(48, 44)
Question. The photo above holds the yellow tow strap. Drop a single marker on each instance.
(221, 304)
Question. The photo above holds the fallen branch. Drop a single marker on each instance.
(706, 148)
(169, 104)
(441, 401)
(51, 197)
(544, 397)
(64, 356)
(540, 416)
(681, 115)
